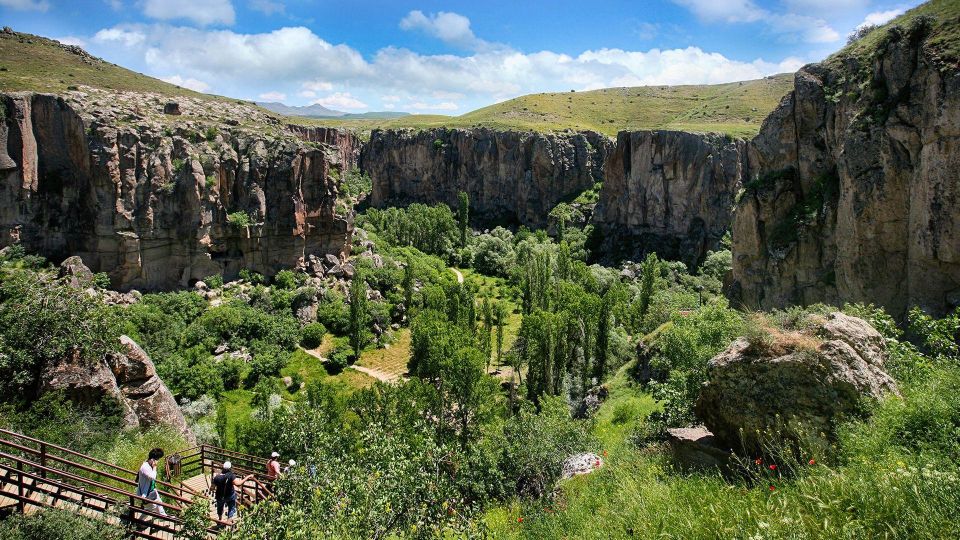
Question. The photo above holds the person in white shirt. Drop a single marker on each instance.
(147, 480)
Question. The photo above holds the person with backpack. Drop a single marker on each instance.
(147, 480)
(224, 487)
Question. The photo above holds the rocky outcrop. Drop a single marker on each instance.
(668, 192)
(128, 377)
(108, 178)
(511, 177)
(855, 194)
(695, 448)
(752, 394)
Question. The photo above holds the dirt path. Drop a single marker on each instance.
(376, 374)
(459, 275)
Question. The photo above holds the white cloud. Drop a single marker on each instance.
(127, 38)
(822, 7)
(444, 106)
(451, 28)
(72, 40)
(273, 96)
(341, 100)
(299, 63)
(192, 84)
(26, 5)
(880, 17)
(646, 31)
(731, 11)
(792, 24)
(267, 7)
(115, 5)
(202, 13)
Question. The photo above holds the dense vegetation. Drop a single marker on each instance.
(502, 368)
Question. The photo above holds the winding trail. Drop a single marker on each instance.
(375, 373)
(459, 275)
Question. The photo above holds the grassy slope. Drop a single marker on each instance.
(38, 64)
(734, 108)
(943, 41)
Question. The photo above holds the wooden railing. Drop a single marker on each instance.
(40, 474)
(208, 460)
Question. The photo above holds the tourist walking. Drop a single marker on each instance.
(225, 490)
(147, 480)
(273, 466)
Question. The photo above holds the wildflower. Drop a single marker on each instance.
(519, 520)
(772, 487)
(604, 453)
(773, 467)
(757, 461)
(597, 464)
(811, 462)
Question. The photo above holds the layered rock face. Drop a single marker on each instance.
(129, 377)
(511, 177)
(670, 192)
(856, 194)
(149, 203)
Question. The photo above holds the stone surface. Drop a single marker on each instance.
(578, 464)
(695, 448)
(511, 177)
(128, 376)
(76, 273)
(670, 192)
(148, 203)
(800, 393)
(887, 228)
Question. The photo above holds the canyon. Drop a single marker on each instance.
(848, 193)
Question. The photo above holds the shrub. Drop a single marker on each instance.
(312, 336)
(101, 280)
(239, 219)
(211, 133)
(215, 281)
(254, 278)
(339, 359)
(288, 279)
(334, 314)
(56, 524)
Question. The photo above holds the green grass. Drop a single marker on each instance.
(943, 41)
(735, 108)
(393, 360)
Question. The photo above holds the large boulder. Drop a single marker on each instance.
(129, 377)
(76, 273)
(799, 393)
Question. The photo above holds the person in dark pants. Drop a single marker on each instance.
(225, 490)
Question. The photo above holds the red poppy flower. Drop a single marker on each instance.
(773, 467)
(757, 461)
(519, 520)
(772, 488)
(811, 462)
(604, 453)
(598, 463)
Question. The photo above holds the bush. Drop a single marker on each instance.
(312, 335)
(55, 524)
(334, 314)
(214, 282)
(339, 359)
(254, 278)
(288, 279)
(239, 219)
(101, 280)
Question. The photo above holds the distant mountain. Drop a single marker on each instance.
(319, 111)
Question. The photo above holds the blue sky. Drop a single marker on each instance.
(446, 57)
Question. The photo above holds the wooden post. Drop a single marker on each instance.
(20, 504)
(43, 459)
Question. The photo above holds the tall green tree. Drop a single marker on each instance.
(649, 270)
(359, 314)
(603, 336)
(486, 336)
(535, 286)
(500, 315)
(463, 216)
(408, 285)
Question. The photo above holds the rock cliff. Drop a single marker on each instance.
(511, 177)
(111, 177)
(670, 192)
(855, 195)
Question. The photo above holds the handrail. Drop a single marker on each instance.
(74, 453)
(84, 494)
(92, 483)
(86, 468)
(249, 457)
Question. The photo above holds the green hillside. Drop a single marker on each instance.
(735, 108)
(38, 64)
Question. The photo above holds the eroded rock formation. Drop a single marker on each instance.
(99, 176)
(670, 192)
(511, 177)
(129, 377)
(753, 396)
(856, 195)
